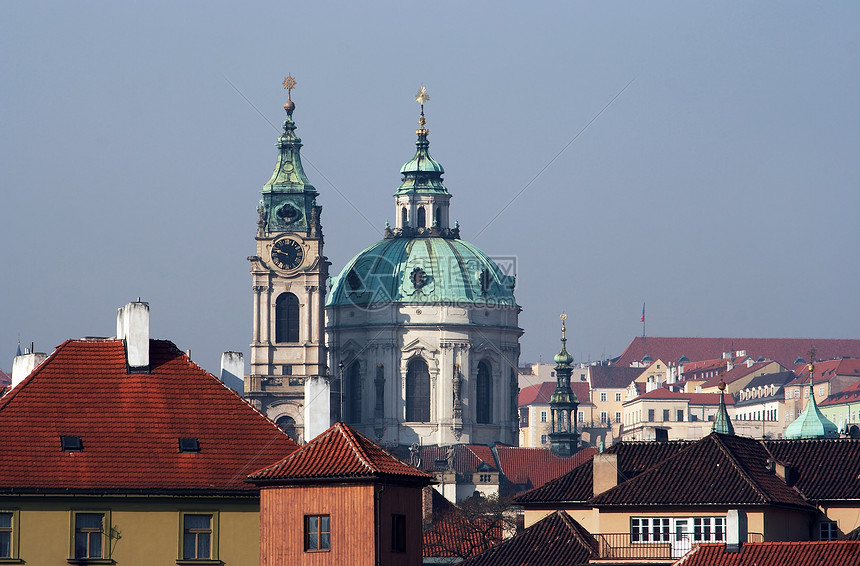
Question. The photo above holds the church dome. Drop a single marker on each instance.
(422, 270)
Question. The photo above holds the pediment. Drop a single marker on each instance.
(417, 345)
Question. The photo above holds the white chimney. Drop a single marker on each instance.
(24, 365)
(232, 370)
(735, 530)
(132, 326)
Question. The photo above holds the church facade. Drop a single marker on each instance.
(414, 342)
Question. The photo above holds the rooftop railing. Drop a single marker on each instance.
(666, 545)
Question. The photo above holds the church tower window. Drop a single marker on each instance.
(417, 391)
(353, 392)
(437, 218)
(287, 318)
(422, 217)
(483, 395)
(404, 216)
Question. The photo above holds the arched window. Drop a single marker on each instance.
(422, 219)
(287, 318)
(404, 217)
(288, 425)
(417, 391)
(352, 394)
(483, 395)
(437, 219)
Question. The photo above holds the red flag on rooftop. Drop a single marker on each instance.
(643, 313)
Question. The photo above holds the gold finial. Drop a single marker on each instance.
(421, 98)
(563, 318)
(289, 85)
(722, 386)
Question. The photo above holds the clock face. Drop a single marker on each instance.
(287, 254)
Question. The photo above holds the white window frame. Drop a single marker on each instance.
(649, 530)
(543, 416)
(105, 553)
(13, 531)
(709, 529)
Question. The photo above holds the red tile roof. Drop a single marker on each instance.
(540, 394)
(130, 425)
(340, 452)
(827, 370)
(694, 398)
(734, 374)
(555, 540)
(453, 535)
(467, 458)
(577, 485)
(825, 469)
(717, 470)
(815, 553)
(613, 377)
(783, 350)
(5, 379)
(527, 468)
(848, 395)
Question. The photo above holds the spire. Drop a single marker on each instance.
(564, 438)
(422, 172)
(421, 201)
(722, 422)
(811, 423)
(280, 212)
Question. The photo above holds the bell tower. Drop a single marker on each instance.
(289, 273)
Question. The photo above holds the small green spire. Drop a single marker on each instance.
(722, 422)
(564, 439)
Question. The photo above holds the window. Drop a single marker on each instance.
(287, 318)
(287, 424)
(543, 439)
(603, 397)
(828, 531)
(417, 391)
(484, 394)
(651, 415)
(618, 416)
(618, 397)
(524, 417)
(398, 533)
(580, 416)
(8, 539)
(603, 417)
(680, 415)
(88, 539)
(404, 218)
(198, 535)
(649, 529)
(665, 415)
(709, 529)
(71, 444)
(317, 533)
(543, 416)
(189, 445)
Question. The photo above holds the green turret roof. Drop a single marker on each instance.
(811, 423)
(422, 173)
(722, 422)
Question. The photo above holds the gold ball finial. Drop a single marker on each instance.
(722, 386)
(289, 85)
(421, 98)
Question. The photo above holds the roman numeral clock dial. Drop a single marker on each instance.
(287, 254)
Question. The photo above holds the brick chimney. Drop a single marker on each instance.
(132, 327)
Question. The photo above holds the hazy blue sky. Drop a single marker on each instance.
(721, 187)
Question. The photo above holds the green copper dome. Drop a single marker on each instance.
(811, 423)
(422, 270)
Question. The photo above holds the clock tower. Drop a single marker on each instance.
(289, 273)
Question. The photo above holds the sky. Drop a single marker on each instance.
(701, 158)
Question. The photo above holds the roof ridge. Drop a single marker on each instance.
(14, 391)
(728, 453)
(353, 443)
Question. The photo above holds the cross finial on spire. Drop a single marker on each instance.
(563, 318)
(421, 98)
(289, 84)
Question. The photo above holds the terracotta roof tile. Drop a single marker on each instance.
(540, 393)
(814, 553)
(577, 485)
(526, 468)
(452, 535)
(694, 398)
(340, 452)
(130, 425)
(554, 540)
(782, 350)
(719, 469)
(826, 469)
(467, 458)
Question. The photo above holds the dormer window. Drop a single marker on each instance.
(71, 444)
(189, 445)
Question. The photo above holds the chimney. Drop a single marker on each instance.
(132, 326)
(24, 364)
(604, 468)
(232, 370)
(736, 530)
